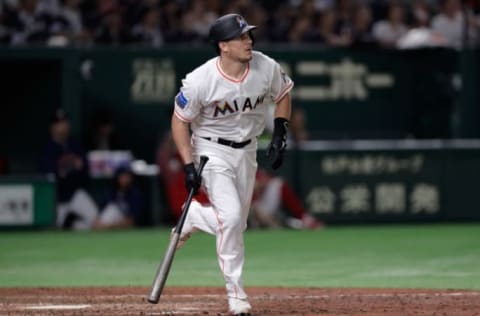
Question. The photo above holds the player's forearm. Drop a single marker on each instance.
(181, 137)
(284, 107)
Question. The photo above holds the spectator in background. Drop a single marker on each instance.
(52, 7)
(73, 29)
(344, 10)
(148, 31)
(420, 13)
(103, 135)
(196, 21)
(324, 32)
(450, 23)
(259, 17)
(279, 23)
(29, 24)
(112, 30)
(387, 32)
(321, 5)
(124, 203)
(171, 21)
(420, 33)
(276, 205)
(362, 36)
(64, 158)
(154, 22)
(307, 9)
(300, 29)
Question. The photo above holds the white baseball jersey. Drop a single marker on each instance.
(217, 105)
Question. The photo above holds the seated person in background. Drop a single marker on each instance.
(64, 158)
(102, 133)
(388, 31)
(272, 199)
(124, 202)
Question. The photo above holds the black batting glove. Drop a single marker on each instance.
(278, 144)
(192, 179)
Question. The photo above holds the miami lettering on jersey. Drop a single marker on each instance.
(225, 108)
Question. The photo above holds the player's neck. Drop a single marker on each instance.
(232, 68)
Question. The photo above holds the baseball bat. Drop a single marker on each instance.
(164, 268)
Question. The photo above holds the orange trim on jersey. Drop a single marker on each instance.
(224, 75)
(284, 92)
(220, 242)
(181, 117)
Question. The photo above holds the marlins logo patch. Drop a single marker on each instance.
(181, 100)
(241, 22)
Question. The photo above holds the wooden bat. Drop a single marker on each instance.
(164, 268)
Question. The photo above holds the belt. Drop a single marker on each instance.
(229, 143)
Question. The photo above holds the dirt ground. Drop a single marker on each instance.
(211, 301)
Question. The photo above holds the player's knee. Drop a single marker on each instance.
(233, 221)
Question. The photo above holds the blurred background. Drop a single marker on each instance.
(386, 126)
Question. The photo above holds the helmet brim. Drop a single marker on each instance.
(246, 29)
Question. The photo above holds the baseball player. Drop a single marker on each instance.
(224, 103)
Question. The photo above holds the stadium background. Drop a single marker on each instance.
(395, 138)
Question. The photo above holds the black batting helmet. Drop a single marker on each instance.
(228, 27)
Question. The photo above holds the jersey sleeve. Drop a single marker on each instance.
(187, 105)
(281, 83)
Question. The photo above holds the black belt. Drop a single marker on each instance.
(229, 143)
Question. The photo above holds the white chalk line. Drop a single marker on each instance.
(54, 307)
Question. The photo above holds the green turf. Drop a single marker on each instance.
(420, 256)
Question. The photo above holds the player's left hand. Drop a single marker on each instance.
(276, 150)
(277, 146)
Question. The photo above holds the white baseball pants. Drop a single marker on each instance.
(228, 177)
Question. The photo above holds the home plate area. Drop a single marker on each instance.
(212, 301)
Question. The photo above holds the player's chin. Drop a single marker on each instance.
(247, 56)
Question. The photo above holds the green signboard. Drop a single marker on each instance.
(345, 94)
(27, 201)
(390, 181)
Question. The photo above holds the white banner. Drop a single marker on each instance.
(16, 204)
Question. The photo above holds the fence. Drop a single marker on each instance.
(346, 94)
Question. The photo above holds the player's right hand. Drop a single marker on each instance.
(192, 179)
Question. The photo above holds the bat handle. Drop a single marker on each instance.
(181, 221)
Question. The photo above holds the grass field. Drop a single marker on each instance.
(400, 256)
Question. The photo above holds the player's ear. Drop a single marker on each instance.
(223, 47)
